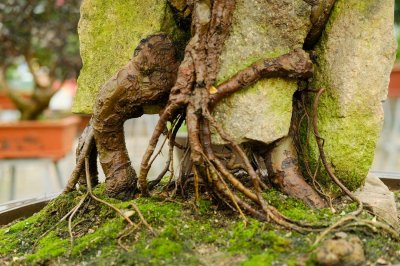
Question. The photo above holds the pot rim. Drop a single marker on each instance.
(13, 210)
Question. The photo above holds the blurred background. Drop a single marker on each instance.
(39, 64)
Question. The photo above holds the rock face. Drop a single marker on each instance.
(340, 252)
(109, 31)
(376, 196)
(261, 29)
(355, 57)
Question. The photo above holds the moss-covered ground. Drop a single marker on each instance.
(185, 235)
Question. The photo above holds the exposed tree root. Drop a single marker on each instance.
(300, 109)
(351, 222)
(86, 144)
(89, 194)
(126, 233)
(320, 11)
(283, 167)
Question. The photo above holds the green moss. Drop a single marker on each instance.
(161, 247)
(296, 209)
(100, 239)
(49, 247)
(349, 141)
(204, 206)
(261, 259)
(253, 238)
(183, 235)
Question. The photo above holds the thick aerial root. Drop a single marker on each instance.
(295, 65)
(320, 12)
(284, 173)
(146, 80)
(114, 159)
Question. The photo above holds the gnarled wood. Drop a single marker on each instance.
(145, 80)
(284, 173)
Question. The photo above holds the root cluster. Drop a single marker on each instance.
(192, 99)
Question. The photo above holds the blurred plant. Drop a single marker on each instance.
(43, 34)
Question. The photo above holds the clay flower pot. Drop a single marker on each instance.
(5, 102)
(394, 84)
(38, 139)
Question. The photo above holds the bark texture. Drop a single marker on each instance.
(285, 174)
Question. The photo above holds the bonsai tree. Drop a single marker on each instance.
(198, 86)
(274, 94)
(42, 34)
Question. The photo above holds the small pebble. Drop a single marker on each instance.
(341, 235)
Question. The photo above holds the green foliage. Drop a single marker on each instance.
(397, 11)
(42, 31)
(398, 50)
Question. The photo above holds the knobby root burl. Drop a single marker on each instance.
(187, 91)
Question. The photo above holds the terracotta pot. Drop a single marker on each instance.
(5, 102)
(394, 84)
(33, 139)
